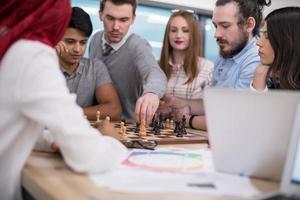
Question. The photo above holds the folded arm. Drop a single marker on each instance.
(108, 103)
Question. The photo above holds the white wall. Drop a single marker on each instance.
(279, 4)
(201, 6)
(206, 6)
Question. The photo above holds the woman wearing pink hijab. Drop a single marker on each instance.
(34, 95)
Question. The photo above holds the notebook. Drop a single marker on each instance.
(290, 184)
(249, 131)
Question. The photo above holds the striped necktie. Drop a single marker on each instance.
(107, 49)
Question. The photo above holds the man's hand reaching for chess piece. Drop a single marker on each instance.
(146, 107)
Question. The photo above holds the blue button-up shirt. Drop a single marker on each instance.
(237, 72)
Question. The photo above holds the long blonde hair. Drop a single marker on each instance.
(193, 51)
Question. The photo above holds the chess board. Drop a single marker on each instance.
(167, 135)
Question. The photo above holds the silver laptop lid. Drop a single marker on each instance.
(291, 178)
(248, 131)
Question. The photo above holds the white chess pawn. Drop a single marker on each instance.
(167, 125)
(143, 129)
(98, 116)
(121, 128)
(171, 126)
(124, 133)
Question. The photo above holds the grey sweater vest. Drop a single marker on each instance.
(133, 70)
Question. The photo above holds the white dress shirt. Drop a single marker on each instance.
(34, 95)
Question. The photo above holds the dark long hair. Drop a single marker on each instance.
(192, 53)
(249, 8)
(283, 33)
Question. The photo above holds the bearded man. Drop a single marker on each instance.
(237, 23)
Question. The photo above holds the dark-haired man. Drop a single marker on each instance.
(139, 80)
(237, 22)
(87, 78)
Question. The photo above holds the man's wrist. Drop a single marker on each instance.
(150, 92)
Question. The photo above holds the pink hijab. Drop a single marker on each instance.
(38, 20)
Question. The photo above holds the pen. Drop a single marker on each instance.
(200, 185)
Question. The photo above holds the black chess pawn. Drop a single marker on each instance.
(161, 121)
(183, 120)
(161, 124)
(152, 121)
(137, 127)
(183, 125)
(156, 130)
(179, 133)
(177, 126)
(183, 130)
(155, 125)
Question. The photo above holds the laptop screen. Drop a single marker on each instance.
(296, 170)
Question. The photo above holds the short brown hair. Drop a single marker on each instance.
(133, 3)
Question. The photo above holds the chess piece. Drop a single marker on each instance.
(152, 121)
(97, 122)
(122, 124)
(183, 125)
(179, 134)
(184, 132)
(177, 124)
(156, 130)
(161, 121)
(171, 126)
(142, 132)
(137, 127)
(154, 125)
(98, 116)
(183, 120)
(167, 125)
(181, 130)
(124, 134)
(124, 121)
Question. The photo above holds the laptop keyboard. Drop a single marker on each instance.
(282, 197)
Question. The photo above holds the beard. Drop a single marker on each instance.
(236, 46)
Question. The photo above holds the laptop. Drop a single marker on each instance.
(290, 184)
(249, 131)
